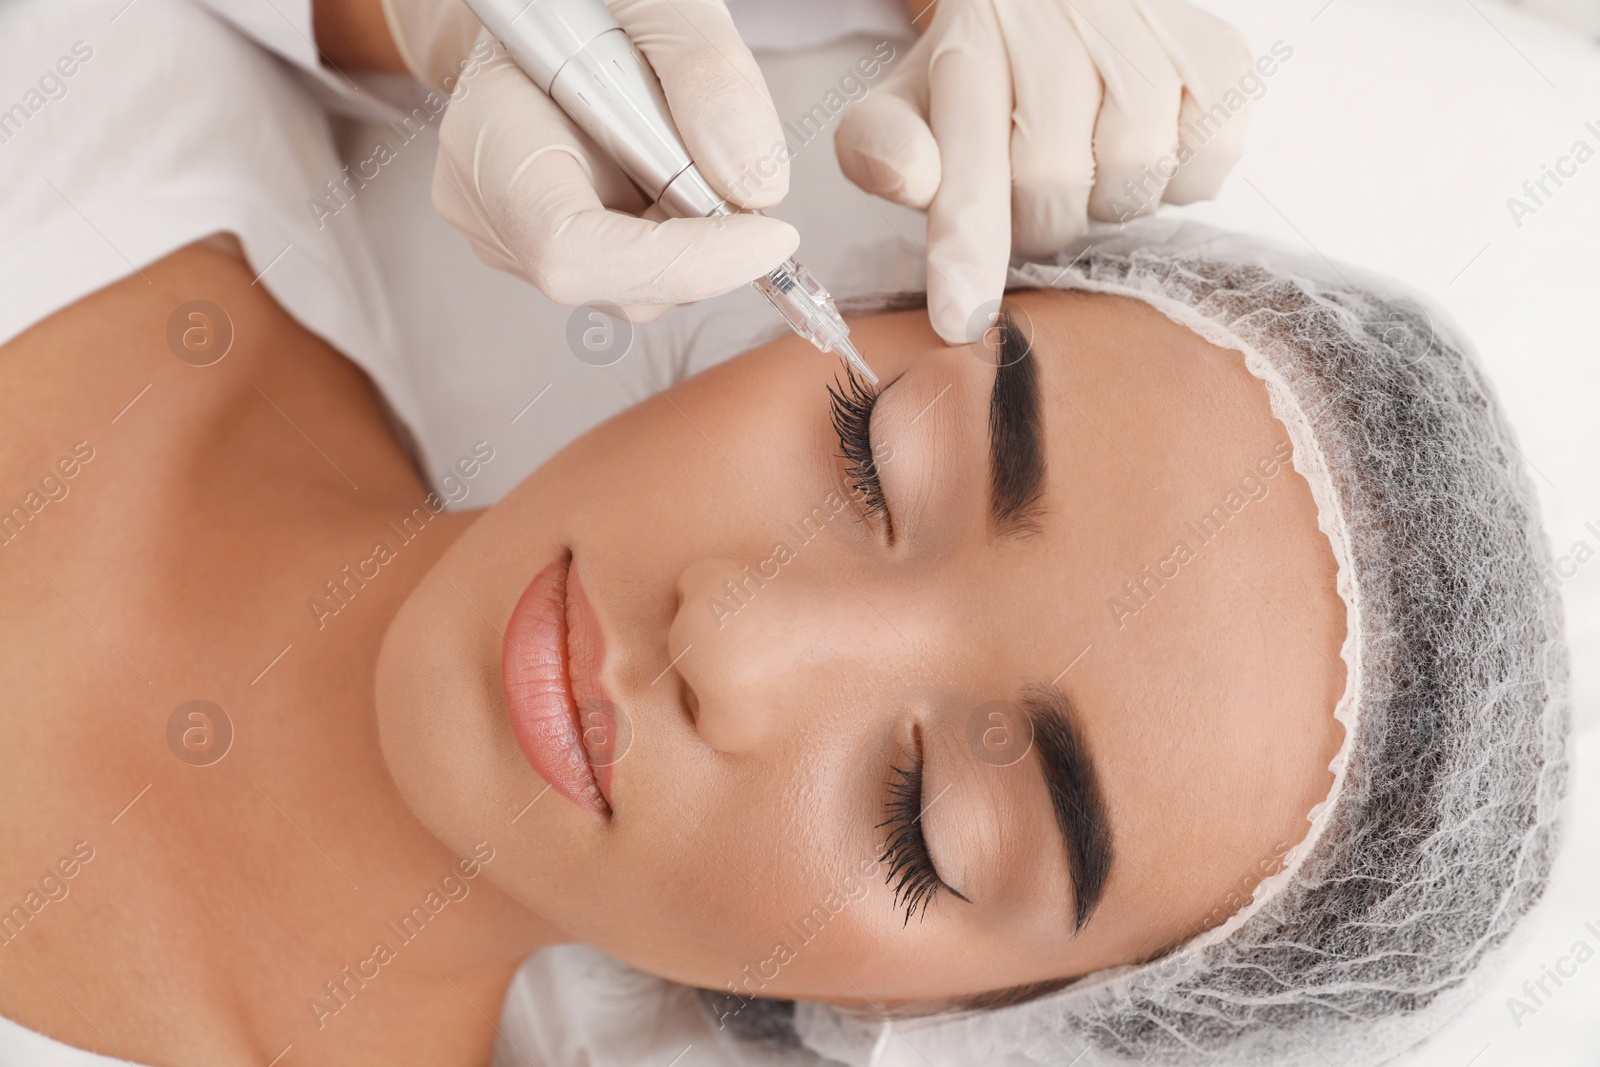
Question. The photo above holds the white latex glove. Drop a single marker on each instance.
(537, 198)
(1017, 121)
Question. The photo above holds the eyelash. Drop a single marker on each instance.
(852, 405)
(905, 850)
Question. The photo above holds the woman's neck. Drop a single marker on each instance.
(240, 536)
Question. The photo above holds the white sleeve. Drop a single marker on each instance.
(284, 27)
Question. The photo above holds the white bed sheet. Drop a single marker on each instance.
(1391, 139)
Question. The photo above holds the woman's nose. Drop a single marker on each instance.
(764, 647)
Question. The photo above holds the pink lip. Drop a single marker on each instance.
(550, 668)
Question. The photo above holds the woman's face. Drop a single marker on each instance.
(1052, 691)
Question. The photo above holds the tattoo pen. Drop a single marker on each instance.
(577, 53)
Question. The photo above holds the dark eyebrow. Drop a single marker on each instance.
(1080, 809)
(1016, 455)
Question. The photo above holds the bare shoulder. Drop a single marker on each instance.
(146, 386)
(180, 470)
(175, 445)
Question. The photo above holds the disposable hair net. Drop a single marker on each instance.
(1440, 830)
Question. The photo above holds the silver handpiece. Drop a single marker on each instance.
(576, 52)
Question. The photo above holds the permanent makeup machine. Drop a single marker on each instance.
(581, 57)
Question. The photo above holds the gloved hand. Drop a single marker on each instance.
(1014, 122)
(536, 197)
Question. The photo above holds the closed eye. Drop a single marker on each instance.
(852, 402)
(912, 875)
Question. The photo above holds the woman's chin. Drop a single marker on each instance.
(435, 700)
